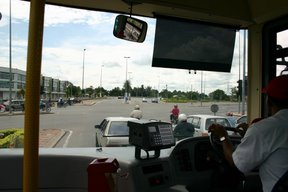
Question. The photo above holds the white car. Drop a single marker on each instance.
(202, 122)
(113, 132)
(241, 119)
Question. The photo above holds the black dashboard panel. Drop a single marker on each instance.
(195, 155)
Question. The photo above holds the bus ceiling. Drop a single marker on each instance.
(241, 13)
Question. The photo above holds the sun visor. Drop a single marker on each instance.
(193, 45)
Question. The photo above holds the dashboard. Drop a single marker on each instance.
(188, 166)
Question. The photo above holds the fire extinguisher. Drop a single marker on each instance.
(99, 175)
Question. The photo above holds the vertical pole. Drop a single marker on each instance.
(32, 99)
(101, 81)
(10, 62)
(244, 71)
(239, 107)
(126, 83)
(83, 71)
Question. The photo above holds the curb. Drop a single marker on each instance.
(21, 113)
(48, 138)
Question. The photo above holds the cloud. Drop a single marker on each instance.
(69, 31)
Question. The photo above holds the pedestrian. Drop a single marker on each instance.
(136, 113)
(265, 144)
(183, 129)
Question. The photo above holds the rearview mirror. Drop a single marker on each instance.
(129, 28)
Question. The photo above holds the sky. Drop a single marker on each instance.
(68, 32)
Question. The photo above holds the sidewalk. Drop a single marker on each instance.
(48, 138)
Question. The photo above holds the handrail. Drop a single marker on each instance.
(32, 97)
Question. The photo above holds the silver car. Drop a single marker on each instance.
(202, 122)
(113, 132)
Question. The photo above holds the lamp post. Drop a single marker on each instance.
(10, 62)
(83, 71)
(126, 83)
(101, 81)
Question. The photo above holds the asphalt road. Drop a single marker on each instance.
(78, 121)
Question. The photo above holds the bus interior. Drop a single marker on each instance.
(189, 165)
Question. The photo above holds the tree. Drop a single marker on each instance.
(21, 93)
(234, 94)
(127, 86)
(218, 95)
(116, 92)
(90, 91)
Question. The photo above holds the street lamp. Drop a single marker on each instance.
(101, 81)
(83, 70)
(126, 87)
(10, 61)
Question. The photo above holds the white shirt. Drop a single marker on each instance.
(136, 114)
(265, 146)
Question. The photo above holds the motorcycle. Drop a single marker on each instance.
(61, 104)
(2, 108)
(174, 119)
(45, 107)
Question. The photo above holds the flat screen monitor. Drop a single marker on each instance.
(195, 45)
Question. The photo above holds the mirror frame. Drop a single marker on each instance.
(130, 28)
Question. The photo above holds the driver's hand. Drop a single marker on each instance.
(218, 130)
(242, 128)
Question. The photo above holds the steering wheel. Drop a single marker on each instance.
(217, 146)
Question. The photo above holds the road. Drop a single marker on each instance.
(78, 121)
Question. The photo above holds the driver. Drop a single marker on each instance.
(265, 144)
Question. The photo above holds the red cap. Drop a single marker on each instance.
(277, 88)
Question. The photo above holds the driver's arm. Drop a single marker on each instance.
(228, 148)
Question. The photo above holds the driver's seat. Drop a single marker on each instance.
(282, 184)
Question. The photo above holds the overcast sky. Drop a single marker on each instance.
(69, 31)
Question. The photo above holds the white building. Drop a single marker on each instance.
(50, 88)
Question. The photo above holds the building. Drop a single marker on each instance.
(50, 87)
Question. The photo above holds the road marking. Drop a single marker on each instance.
(67, 140)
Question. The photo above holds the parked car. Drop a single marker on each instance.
(202, 122)
(144, 100)
(113, 132)
(15, 105)
(154, 100)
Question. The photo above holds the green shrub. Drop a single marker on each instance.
(13, 138)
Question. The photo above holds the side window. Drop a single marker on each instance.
(224, 122)
(189, 120)
(220, 121)
(196, 122)
(209, 122)
(282, 45)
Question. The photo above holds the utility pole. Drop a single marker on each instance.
(83, 71)
(126, 83)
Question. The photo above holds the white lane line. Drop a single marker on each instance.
(67, 140)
